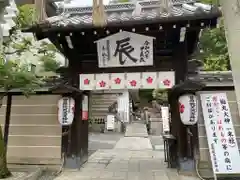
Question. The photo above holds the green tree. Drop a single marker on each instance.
(213, 46)
(47, 51)
(48, 57)
(14, 74)
(214, 50)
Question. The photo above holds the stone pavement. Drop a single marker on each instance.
(136, 130)
(126, 162)
(124, 165)
(134, 143)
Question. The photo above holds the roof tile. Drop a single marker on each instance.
(82, 16)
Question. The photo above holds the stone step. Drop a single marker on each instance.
(136, 130)
(134, 143)
(100, 104)
(100, 109)
(104, 96)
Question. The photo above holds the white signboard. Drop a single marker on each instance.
(66, 107)
(221, 136)
(138, 80)
(188, 109)
(125, 49)
(165, 118)
(110, 122)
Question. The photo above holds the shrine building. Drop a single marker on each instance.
(142, 46)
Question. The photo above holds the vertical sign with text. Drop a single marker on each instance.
(220, 131)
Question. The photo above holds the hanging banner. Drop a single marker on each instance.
(66, 107)
(165, 118)
(222, 143)
(188, 109)
(125, 49)
(85, 108)
(131, 80)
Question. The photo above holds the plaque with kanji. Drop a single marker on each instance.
(87, 81)
(125, 49)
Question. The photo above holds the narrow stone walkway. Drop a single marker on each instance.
(136, 138)
(126, 162)
(136, 130)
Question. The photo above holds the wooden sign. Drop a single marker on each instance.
(222, 142)
(165, 118)
(125, 49)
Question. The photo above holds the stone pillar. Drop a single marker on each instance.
(231, 13)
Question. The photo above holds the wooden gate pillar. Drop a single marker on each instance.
(180, 63)
(76, 142)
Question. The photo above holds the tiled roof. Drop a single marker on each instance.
(213, 78)
(70, 15)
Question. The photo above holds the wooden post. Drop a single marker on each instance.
(99, 16)
(180, 63)
(40, 10)
(7, 119)
(77, 141)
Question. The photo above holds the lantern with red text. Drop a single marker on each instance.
(188, 109)
(66, 107)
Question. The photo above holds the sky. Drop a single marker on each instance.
(86, 2)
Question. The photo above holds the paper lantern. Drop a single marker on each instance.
(66, 108)
(188, 109)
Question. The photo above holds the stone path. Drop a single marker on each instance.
(136, 130)
(134, 143)
(125, 162)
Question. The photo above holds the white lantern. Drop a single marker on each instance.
(66, 107)
(188, 109)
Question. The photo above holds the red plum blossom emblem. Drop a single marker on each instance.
(133, 83)
(102, 84)
(117, 81)
(86, 81)
(166, 82)
(149, 80)
(181, 108)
